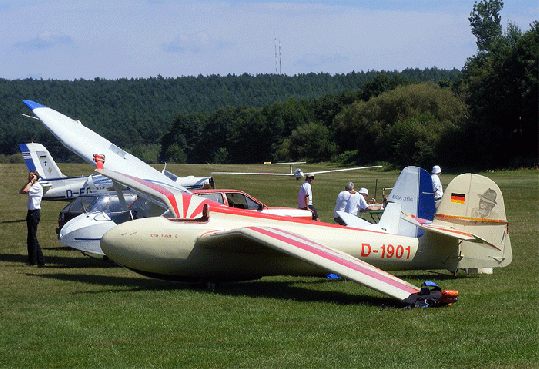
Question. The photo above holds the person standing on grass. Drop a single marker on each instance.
(305, 196)
(35, 193)
(437, 185)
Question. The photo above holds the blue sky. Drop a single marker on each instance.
(73, 39)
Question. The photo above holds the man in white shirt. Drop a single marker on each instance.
(357, 202)
(35, 193)
(436, 185)
(342, 200)
(305, 196)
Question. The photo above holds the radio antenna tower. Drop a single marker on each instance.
(277, 62)
(280, 57)
(275, 43)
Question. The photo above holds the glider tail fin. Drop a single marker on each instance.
(38, 158)
(473, 204)
(413, 191)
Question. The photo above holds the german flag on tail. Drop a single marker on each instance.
(458, 198)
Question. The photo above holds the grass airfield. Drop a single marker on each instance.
(81, 312)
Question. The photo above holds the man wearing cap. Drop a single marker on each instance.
(436, 185)
(357, 202)
(487, 202)
(342, 200)
(305, 196)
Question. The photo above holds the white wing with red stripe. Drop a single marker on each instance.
(332, 260)
(181, 204)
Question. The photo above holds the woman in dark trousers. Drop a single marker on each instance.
(35, 194)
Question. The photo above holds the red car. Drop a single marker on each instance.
(241, 200)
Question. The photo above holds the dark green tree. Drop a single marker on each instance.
(387, 123)
(502, 92)
(485, 21)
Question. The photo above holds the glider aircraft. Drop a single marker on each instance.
(198, 240)
(298, 173)
(84, 232)
(202, 242)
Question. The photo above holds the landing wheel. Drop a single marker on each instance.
(210, 285)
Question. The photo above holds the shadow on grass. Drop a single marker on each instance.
(299, 290)
(294, 289)
(428, 275)
(13, 221)
(62, 262)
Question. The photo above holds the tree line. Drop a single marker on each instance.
(136, 113)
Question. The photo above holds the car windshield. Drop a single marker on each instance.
(239, 200)
(217, 197)
(110, 204)
(81, 204)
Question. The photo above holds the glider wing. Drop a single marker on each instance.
(345, 169)
(332, 260)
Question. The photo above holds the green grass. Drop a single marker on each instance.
(82, 312)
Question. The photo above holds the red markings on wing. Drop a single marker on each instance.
(170, 196)
(333, 255)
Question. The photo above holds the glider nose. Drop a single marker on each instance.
(114, 242)
(142, 245)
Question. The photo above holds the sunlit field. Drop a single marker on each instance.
(83, 312)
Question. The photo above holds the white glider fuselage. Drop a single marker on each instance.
(176, 249)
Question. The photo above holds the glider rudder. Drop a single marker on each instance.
(474, 204)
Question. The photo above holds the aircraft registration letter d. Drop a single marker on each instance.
(365, 249)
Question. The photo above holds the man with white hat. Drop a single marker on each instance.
(357, 202)
(437, 184)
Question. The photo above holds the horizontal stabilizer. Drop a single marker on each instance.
(353, 221)
(446, 231)
(389, 222)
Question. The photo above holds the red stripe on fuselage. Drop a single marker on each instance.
(170, 196)
(379, 275)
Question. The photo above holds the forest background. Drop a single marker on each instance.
(484, 116)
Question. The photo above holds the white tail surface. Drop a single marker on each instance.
(413, 190)
(38, 158)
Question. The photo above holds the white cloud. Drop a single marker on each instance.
(45, 40)
(195, 43)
